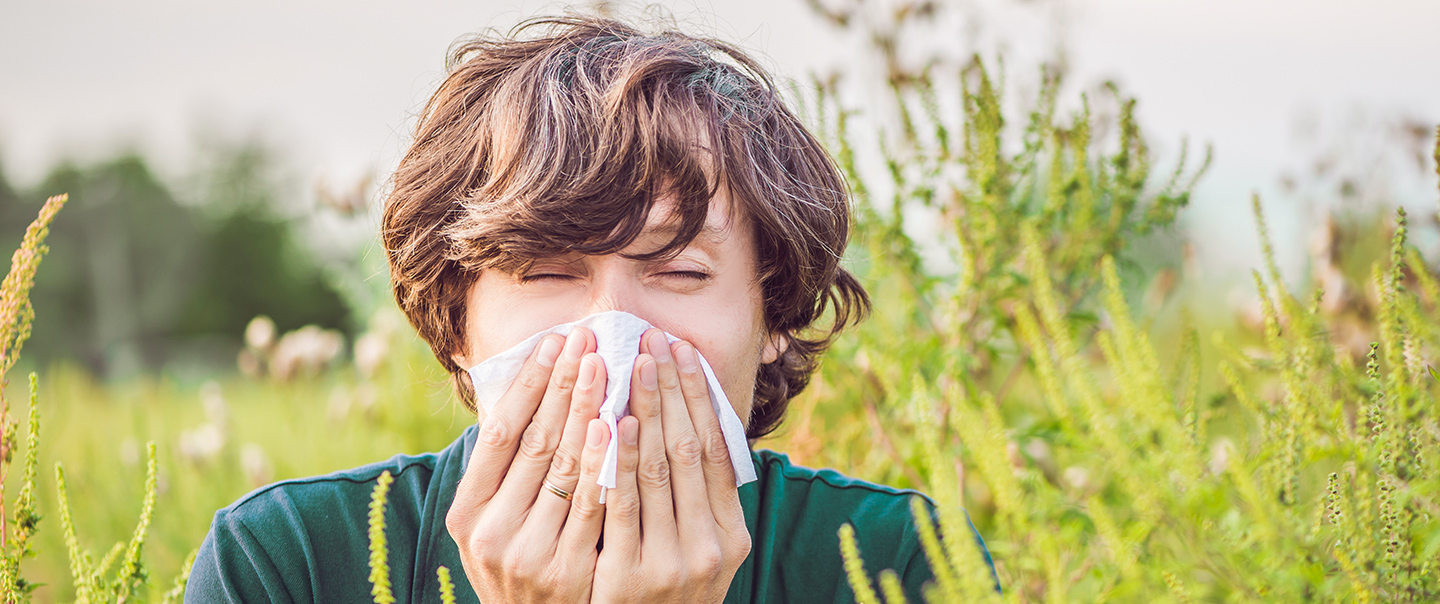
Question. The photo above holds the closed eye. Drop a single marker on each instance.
(696, 275)
(545, 277)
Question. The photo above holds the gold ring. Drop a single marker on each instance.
(559, 492)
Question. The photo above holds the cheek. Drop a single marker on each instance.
(731, 340)
(496, 318)
(737, 377)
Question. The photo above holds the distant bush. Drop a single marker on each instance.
(141, 280)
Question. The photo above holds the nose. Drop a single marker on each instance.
(614, 286)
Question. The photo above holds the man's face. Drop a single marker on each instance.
(708, 295)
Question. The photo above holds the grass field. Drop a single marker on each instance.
(251, 432)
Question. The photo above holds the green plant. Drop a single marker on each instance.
(16, 537)
(16, 315)
(91, 584)
(380, 550)
(1305, 478)
(15, 587)
(1105, 450)
(1253, 467)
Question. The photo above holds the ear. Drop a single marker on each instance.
(775, 345)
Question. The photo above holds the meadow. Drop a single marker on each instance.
(1037, 359)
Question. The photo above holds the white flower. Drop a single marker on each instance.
(202, 444)
(255, 463)
(260, 333)
(306, 350)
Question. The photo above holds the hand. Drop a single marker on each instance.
(518, 541)
(674, 530)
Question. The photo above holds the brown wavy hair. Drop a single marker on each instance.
(560, 136)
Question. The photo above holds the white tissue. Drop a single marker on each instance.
(617, 336)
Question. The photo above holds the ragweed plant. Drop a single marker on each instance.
(1101, 462)
(1308, 480)
(18, 547)
(380, 550)
(447, 587)
(93, 581)
(975, 181)
(16, 314)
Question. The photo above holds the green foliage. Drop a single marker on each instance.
(379, 550)
(13, 586)
(253, 267)
(146, 276)
(890, 585)
(177, 588)
(16, 316)
(16, 311)
(216, 442)
(1109, 453)
(1107, 449)
(447, 587)
(854, 567)
(91, 583)
(93, 420)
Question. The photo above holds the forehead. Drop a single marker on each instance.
(724, 223)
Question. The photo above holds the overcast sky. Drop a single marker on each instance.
(335, 83)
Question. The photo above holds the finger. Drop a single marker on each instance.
(719, 469)
(539, 440)
(586, 515)
(565, 468)
(682, 447)
(657, 508)
(499, 432)
(623, 507)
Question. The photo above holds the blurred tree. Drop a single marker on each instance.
(122, 259)
(138, 280)
(257, 258)
(7, 193)
(253, 266)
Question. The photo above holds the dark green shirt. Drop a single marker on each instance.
(306, 540)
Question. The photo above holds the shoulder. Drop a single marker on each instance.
(795, 514)
(318, 500)
(294, 540)
(835, 496)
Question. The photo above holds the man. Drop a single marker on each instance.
(575, 168)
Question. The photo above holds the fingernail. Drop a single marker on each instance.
(659, 347)
(587, 374)
(647, 375)
(549, 351)
(686, 358)
(574, 346)
(594, 434)
(630, 432)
